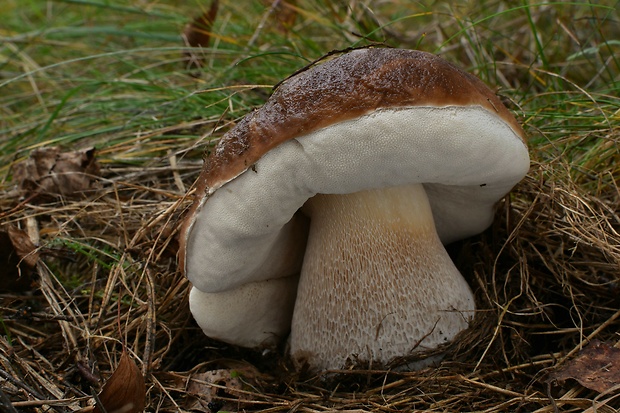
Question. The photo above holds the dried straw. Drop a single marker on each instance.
(546, 277)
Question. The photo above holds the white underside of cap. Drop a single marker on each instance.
(466, 157)
(250, 315)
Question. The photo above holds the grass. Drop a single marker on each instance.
(112, 74)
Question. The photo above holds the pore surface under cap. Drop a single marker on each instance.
(468, 151)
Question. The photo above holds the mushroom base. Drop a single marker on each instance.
(376, 282)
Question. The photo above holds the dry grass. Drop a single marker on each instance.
(546, 275)
(546, 278)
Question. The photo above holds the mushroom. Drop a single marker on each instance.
(325, 211)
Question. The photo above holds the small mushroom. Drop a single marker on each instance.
(325, 211)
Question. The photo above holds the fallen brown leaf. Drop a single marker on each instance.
(285, 13)
(205, 389)
(124, 391)
(597, 367)
(198, 34)
(18, 259)
(48, 172)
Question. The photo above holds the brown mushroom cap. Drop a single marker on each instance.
(345, 88)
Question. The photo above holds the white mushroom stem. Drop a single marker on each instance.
(376, 281)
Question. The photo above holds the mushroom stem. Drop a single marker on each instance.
(376, 282)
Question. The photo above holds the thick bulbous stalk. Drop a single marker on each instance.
(376, 282)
